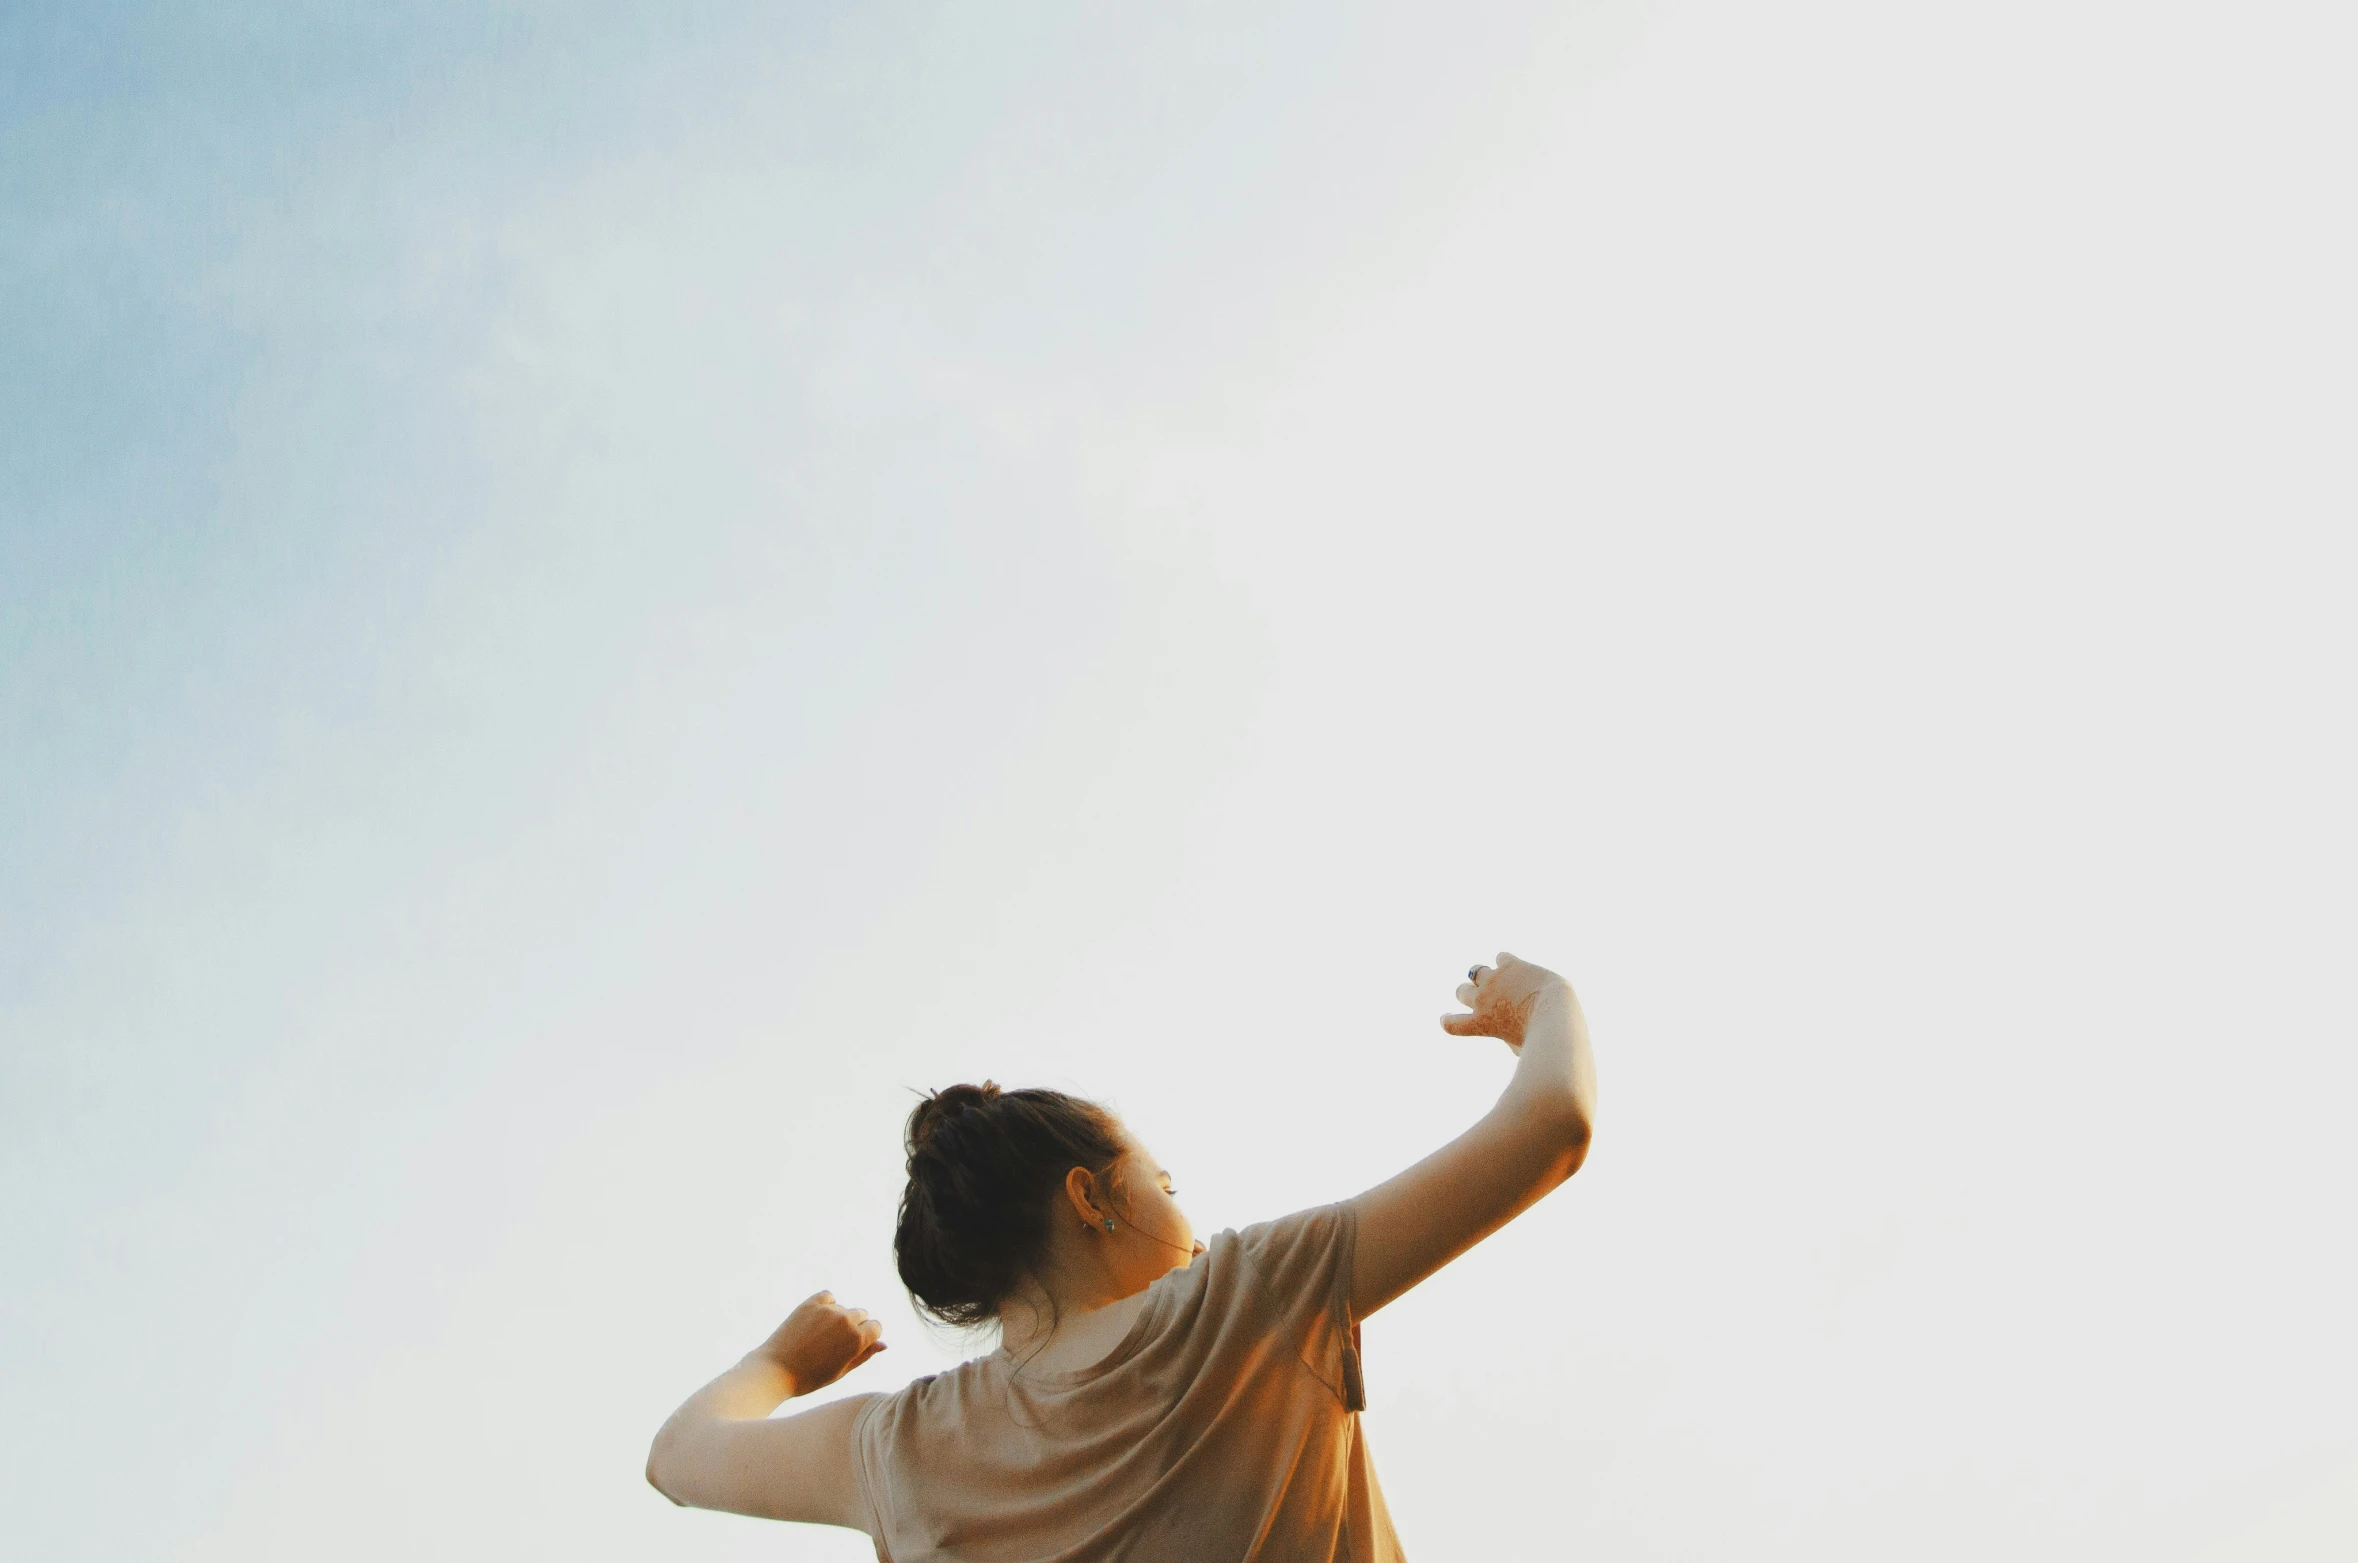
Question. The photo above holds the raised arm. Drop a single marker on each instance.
(723, 1450)
(1533, 1139)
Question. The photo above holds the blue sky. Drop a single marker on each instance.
(588, 601)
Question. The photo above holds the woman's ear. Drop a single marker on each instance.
(1080, 1190)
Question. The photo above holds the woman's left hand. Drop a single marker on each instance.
(821, 1341)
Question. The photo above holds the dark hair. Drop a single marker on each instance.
(983, 1165)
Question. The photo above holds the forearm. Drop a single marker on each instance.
(1529, 1143)
(1555, 1075)
(755, 1387)
(723, 1450)
(748, 1392)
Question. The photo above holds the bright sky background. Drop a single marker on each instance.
(591, 594)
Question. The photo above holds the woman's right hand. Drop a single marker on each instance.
(821, 1341)
(1502, 998)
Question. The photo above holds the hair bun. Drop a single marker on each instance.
(941, 1108)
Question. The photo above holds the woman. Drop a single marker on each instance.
(1152, 1398)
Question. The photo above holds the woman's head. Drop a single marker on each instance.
(994, 1179)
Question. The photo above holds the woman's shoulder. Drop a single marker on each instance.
(935, 1397)
(1312, 1237)
(961, 1379)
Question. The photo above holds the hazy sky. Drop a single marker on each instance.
(591, 594)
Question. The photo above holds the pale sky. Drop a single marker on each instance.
(591, 595)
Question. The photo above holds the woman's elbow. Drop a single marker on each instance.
(1553, 1131)
(658, 1466)
(1572, 1137)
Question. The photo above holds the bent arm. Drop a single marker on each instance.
(1532, 1140)
(723, 1450)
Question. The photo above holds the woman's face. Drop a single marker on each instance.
(1158, 1227)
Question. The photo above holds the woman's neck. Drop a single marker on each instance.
(1073, 1339)
(1061, 1308)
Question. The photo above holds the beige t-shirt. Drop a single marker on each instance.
(1224, 1428)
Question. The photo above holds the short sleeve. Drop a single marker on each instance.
(868, 1468)
(1297, 1271)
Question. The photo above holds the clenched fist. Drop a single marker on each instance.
(820, 1342)
(1502, 998)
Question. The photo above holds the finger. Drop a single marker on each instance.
(864, 1356)
(856, 1315)
(1466, 994)
(1464, 1025)
(1505, 960)
(819, 1297)
(872, 1332)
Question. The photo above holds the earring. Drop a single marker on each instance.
(1109, 1226)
